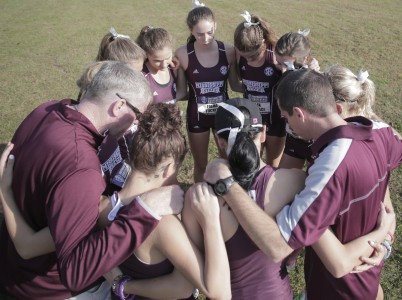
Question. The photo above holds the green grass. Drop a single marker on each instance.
(46, 44)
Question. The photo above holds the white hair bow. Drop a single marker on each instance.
(304, 32)
(289, 65)
(246, 15)
(197, 3)
(115, 35)
(362, 76)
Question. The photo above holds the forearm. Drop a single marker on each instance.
(100, 251)
(27, 242)
(171, 286)
(217, 271)
(260, 227)
(340, 259)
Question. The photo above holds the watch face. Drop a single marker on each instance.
(220, 188)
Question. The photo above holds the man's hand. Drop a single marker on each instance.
(217, 169)
(167, 200)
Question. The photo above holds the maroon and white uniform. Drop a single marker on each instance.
(258, 87)
(344, 189)
(207, 88)
(162, 92)
(252, 274)
(114, 156)
(59, 185)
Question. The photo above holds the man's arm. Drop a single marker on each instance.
(340, 259)
(259, 226)
(84, 254)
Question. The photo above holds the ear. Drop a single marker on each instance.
(339, 108)
(168, 171)
(116, 107)
(263, 134)
(222, 143)
(300, 113)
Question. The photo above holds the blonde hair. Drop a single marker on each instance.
(87, 76)
(357, 92)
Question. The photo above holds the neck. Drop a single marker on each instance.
(138, 183)
(322, 125)
(93, 114)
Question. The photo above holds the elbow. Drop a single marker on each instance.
(221, 295)
(186, 290)
(338, 270)
(275, 255)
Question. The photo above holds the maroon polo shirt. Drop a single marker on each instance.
(344, 189)
(58, 183)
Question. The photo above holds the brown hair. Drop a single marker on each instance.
(159, 136)
(295, 45)
(154, 39)
(307, 89)
(250, 38)
(195, 15)
(119, 48)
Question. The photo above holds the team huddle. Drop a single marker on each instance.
(93, 208)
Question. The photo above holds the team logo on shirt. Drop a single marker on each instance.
(268, 71)
(224, 70)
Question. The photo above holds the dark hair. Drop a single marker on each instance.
(197, 14)
(154, 39)
(295, 45)
(250, 38)
(306, 89)
(244, 157)
(159, 136)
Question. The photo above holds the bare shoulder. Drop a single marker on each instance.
(181, 52)
(230, 52)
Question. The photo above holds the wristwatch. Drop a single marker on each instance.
(222, 186)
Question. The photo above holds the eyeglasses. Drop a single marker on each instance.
(132, 107)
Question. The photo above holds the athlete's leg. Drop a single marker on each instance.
(274, 146)
(199, 143)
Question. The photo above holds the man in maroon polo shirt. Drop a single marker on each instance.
(343, 189)
(58, 183)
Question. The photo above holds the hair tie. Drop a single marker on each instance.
(304, 32)
(289, 66)
(246, 15)
(115, 35)
(362, 76)
(197, 3)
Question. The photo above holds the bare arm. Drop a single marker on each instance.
(181, 81)
(260, 227)
(234, 78)
(27, 242)
(211, 275)
(341, 259)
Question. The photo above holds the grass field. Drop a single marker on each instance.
(46, 44)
